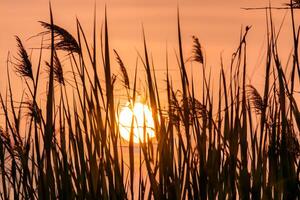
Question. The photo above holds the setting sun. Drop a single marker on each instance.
(142, 117)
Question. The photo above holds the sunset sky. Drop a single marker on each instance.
(217, 24)
(221, 122)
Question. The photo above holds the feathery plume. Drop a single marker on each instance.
(34, 110)
(57, 69)
(123, 70)
(255, 98)
(63, 39)
(23, 66)
(197, 51)
(197, 108)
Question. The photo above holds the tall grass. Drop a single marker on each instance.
(70, 147)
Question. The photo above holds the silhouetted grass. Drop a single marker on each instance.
(70, 147)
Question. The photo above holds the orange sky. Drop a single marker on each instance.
(216, 23)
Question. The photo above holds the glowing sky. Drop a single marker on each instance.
(217, 24)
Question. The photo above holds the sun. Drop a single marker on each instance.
(143, 124)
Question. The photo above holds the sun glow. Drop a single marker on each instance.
(141, 119)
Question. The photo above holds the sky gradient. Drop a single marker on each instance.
(217, 24)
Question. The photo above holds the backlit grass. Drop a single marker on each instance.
(242, 144)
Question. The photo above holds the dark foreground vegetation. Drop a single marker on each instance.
(243, 144)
